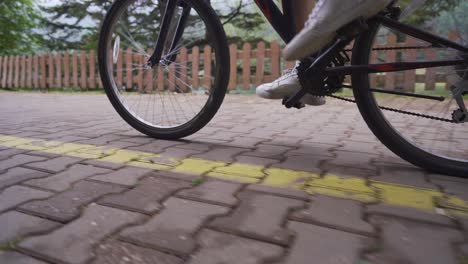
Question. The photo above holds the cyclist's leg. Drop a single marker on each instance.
(288, 84)
(327, 17)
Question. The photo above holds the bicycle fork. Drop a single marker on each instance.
(165, 50)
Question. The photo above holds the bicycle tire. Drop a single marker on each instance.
(219, 41)
(381, 128)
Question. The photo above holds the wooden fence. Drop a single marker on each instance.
(251, 65)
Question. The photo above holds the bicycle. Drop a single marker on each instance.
(425, 129)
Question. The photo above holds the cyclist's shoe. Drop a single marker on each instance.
(287, 85)
(327, 17)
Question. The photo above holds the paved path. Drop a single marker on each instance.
(260, 184)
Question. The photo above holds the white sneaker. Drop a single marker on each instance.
(327, 17)
(287, 85)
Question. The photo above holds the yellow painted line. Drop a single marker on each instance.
(332, 185)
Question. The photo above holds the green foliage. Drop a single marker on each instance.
(73, 24)
(18, 18)
(428, 10)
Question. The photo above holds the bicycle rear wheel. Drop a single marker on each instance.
(439, 146)
(180, 94)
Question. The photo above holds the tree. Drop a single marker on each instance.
(18, 18)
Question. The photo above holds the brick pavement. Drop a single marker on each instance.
(260, 184)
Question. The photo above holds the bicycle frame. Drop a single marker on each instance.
(283, 23)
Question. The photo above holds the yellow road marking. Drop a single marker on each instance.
(343, 187)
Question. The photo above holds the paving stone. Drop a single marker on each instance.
(128, 176)
(324, 245)
(18, 225)
(146, 196)
(11, 257)
(104, 164)
(64, 180)
(335, 213)
(352, 146)
(268, 151)
(43, 154)
(301, 163)
(314, 149)
(74, 242)
(17, 175)
(65, 206)
(351, 160)
(213, 191)
(8, 152)
(15, 195)
(259, 216)
(414, 242)
(403, 174)
(451, 187)
(157, 146)
(113, 252)
(221, 154)
(409, 213)
(255, 160)
(54, 165)
(284, 192)
(173, 228)
(225, 248)
(18, 160)
(245, 142)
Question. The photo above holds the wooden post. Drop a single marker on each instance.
(139, 59)
(160, 78)
(129, 67)
(195, 67)
(66, 69)
(172, 83)
(58, 64)
(275, 59)
(149, 78)
(2, 71)
(36, 72)
(92, 70)
(246, 50)
(207, 67)
(75, 69)
(181, 70)
(17, 71)
(410, 76)
(50, 64)
(233, 73)
(29, 75)
(23, 72)
(390, 57)
(260, 63)
(431, 74)
(119, 70)
(83, 71)
(10, 71)
(43, 83)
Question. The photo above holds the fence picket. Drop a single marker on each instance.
(390, 57)
(43, 74)
(233, 73)
(75, 69)
(22, 81)
(128, 68)
(17, 71)
(92, 69)
(207, 68)
(50, 67)
(260, 71)
(66, 69)
(275, 59)
(195, 67)
(29, 72)
(58, 65)
(2, 71)
(36, 71)
(246, 50)
(83, 71)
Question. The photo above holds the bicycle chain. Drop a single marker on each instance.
(393, 109)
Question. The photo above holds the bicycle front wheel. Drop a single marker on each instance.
(411, 132)
(182, 92)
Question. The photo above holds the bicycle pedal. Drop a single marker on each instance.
(289, 105)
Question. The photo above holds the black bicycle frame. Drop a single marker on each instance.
(282, 22)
